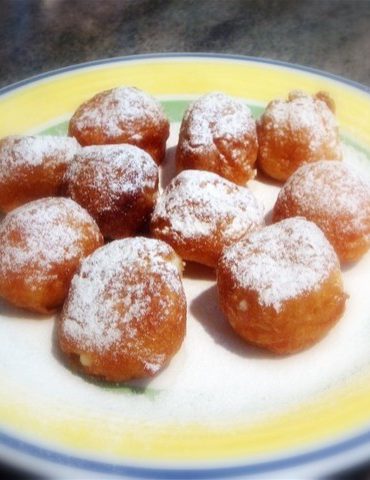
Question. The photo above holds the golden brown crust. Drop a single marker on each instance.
(122, 115)
(218, 134)
(32, 167)
(325, 97)
(297, 131)
(118, 186)
(331, 195)
(125, 314)
(41, 245)
(200, 213)
(282, 295)
(302, 322)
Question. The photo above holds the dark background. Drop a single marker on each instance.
(40, 35)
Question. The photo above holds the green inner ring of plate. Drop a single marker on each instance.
(175, 109)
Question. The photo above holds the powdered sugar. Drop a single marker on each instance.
(199, 204)
(216, 380)
(155, 365)
(116, 286)
(215, 116)
(304, 119)
(19, 153)
(281, 261)
(41, 235)
(330, 188)
(113, 171)
(117, 111)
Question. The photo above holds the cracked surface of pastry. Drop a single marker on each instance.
(218, 134)
(299, 130)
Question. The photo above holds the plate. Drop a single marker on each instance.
(222, 408)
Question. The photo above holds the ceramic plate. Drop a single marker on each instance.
(222, 408)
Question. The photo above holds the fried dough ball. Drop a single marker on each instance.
(32, 167)
(301, 130)
(125, 314)
(218, 134)
(281, 287)
(122, 115)
(41, 245)
(337, 199)
(117, 184)
(200, 213)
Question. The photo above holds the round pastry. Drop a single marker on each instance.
(125, 314)
(337, 199)
(122, 115)
(281, 287)
(117, 184)
(218, 134)
(32, 167)
(301, 130)
(41, 245)
(200, 213)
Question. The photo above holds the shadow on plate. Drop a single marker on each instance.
(206, 310)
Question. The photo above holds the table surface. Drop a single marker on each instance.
(40, 35)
